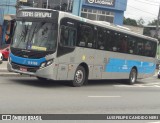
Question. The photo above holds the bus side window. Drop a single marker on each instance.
(140, 48)
(123, 45)
(115, 38)
(131, 44)
(101, 39)
(150, 48)
(153, 49)
(85, 36)
(68, 36)
(108, 37)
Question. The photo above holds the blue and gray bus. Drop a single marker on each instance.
(55, 45)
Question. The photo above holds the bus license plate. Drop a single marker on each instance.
(23, 69)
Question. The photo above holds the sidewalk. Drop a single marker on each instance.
(5, 72)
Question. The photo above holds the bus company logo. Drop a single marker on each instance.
(91, 1)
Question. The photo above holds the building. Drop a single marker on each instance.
(104, 10)
(101, 10)
(63, 5)
(8, 6)
(7, 12)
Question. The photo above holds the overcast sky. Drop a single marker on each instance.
(146, 9)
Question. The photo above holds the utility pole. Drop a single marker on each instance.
(157, 26)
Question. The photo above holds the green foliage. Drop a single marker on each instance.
(140, 22)
(129, 21)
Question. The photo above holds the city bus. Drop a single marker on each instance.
(55, 45)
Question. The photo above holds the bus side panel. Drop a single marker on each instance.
(100, 61)
(85, 56)
(69, 62)
(48, 72)
(115, 66)
(64, 62)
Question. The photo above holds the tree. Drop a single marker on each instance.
(140, 22)
(129, 21)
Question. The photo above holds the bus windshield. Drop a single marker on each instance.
(39, 36)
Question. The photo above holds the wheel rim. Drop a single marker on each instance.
(79, 76)
(133, 76)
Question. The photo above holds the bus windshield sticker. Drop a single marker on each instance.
(39, 48)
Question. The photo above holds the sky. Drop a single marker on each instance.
(146, 9)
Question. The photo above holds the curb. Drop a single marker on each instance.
(3, 70)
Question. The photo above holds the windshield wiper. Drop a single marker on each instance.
(24, 33)
(35, 30)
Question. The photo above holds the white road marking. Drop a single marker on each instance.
(104, 96)
(145, 85)
(154, 122)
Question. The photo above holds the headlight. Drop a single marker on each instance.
(47, 63)
(43, 65)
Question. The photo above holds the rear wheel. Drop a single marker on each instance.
(79, 77)
(132, 77)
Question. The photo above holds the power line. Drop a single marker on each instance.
(142, 10)
(143, 16)
(137, 8)
(152, 1)
(147, 3)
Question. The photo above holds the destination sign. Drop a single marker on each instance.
(40, 15)
(35, 14)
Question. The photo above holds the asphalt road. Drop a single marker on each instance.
(27, 95)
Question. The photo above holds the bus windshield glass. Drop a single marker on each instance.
(38, 36)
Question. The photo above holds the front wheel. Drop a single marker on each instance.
(132, 77)
(79, 77)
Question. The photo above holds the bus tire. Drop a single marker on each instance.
(79, 77)
(132, 77)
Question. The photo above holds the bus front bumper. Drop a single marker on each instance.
(46, 72)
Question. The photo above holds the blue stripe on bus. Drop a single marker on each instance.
(125, 66)
(26, 61)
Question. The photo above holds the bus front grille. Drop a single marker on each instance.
(20, 67)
